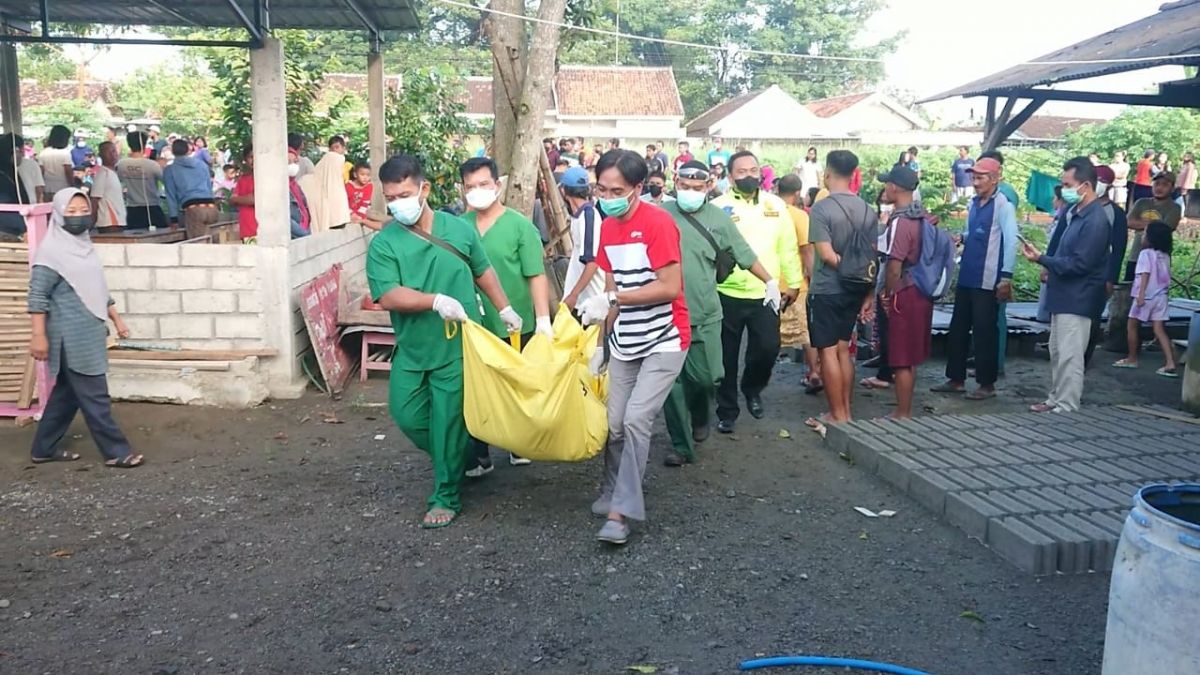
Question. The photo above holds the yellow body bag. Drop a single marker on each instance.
(541, 403)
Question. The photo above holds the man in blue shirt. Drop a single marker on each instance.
(1075, 285)
(984, 281)
(960, 170)
(188, 183)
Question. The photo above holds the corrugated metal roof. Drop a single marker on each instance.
(393, 15)
(1160, 38)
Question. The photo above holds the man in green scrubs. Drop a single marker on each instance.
(514, 247)
(689, 404)
(423, 268)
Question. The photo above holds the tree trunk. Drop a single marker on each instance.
(506, 35)
(531, 111)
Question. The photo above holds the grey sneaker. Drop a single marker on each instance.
(602, 506)
(614, 532)
(483, 468)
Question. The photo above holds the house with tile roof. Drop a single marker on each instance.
(766, 114)
(1048, 131)
(871, 117)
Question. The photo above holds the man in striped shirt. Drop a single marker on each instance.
(649, 332)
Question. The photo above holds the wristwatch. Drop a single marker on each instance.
(612, 299)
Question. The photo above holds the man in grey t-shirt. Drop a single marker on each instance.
(834, 311)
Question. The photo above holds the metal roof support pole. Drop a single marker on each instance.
(1010, 127)
(268, 106)
(993, 138)
(10, 88)
(376, 118)
(256, 28)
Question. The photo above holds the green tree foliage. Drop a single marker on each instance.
(182, 99)
(1173, 130)
(74, 113)
(44, 62)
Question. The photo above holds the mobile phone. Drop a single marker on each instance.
(1022, 239)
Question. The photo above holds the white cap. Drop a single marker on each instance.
(80, 132)
(131, 128)
(154, 128)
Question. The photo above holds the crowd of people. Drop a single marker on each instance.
(701, 272)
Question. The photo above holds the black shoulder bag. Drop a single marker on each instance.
(725, 262)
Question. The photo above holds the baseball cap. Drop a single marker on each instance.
(155, 128)
(574, 177)
(1105, 174)
(902, 177)
(986, 165)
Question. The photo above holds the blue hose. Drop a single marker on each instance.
(833, 661)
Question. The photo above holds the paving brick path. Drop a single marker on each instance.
(1047, 492)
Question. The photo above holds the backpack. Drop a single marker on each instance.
(935, 265)
(859, 267)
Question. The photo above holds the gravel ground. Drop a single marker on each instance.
(284, 540)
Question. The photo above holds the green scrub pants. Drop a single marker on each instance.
(428, 407)
(689, 404)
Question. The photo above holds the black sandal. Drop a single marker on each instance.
(59, 456)
(130, 461)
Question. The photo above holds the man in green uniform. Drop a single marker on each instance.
(514, 247)
(423, 269)
(688, 406)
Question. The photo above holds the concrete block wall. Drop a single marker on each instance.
(311, 256)
(193, 296)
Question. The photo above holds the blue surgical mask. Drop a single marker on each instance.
(690, 201)
(1071, 195)
(616, 206)
(406, 210)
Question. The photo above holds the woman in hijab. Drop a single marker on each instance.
(68, 303)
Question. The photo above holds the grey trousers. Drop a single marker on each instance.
(1069, 335)
(79, 393)
(636, 392)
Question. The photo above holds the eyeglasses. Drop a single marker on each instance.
(693, 173)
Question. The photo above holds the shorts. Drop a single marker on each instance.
(832, 318)
(1155, 309)
(793, 325)
(909, 328)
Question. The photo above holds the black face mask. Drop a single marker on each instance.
(655, 190)
(748, 185)
(77, 224)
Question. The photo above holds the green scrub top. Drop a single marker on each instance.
(397, 257)
(514, 247)
(700, 260)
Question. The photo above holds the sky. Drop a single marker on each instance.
(948, 43)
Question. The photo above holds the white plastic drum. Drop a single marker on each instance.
(1154, 596)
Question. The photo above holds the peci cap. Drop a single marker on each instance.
(574, 177)
(986, 165)
(902, 177)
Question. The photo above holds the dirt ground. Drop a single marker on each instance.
(275, 541)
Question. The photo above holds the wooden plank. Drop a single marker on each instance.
(188, 354)
(28, 382)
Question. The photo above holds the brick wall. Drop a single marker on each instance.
(194, 296)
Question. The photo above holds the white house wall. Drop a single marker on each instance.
(772, 114)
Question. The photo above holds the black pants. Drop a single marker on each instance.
(976, 316)
(142, 217)
(79, 393)
(479, 450)
(881, 330)
(762, 348)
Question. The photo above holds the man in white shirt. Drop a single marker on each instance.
(108, 197)
(584, 278)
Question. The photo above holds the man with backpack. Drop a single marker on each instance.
(984, 281)
(844, 229)
(918, 259)
(711, 246)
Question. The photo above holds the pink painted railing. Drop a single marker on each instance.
(37, 219)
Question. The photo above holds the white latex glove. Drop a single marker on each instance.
(597, 365)
(593, 310)
(448, 308)
(512, 320)
(544, 327)
(774, 298)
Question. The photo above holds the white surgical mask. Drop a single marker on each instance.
(481, 198)
(406, 210)
(1101, 188)
(293, 170)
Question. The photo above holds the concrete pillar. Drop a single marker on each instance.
(269, 123)
(10, 88)
(376, 120)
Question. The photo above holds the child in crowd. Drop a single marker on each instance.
(359, 191)
(1152, 281)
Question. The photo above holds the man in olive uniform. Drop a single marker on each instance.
(424, 269)
(689, 404)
